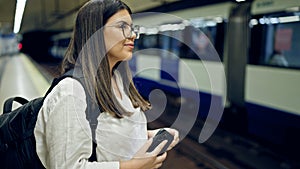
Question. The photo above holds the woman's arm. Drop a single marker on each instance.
(67, 138)
(63, 134)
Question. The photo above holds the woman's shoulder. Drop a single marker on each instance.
(68, 87)
(68, 92)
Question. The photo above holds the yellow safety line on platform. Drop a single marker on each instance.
(37, 78)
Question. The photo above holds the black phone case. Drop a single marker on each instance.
(160, 136)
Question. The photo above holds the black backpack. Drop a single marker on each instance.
(17, 141)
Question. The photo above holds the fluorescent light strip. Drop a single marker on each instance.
(289, 19)
(19, 14)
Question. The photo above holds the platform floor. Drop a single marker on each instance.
(20, 77)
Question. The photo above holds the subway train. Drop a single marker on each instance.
(236, 63)
(259, 95)
(60, 44)
(9, 44)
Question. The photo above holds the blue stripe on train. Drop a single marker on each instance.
(276, 126)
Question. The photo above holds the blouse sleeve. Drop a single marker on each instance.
(63, 134)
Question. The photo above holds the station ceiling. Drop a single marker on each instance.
(56, 14)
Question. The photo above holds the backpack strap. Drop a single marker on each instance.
(9, 102)
(56, 81)
(91, 114)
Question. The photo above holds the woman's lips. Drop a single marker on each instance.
(131, 46)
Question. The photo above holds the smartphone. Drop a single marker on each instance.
(160, 136)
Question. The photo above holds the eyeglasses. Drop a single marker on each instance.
(128, 29)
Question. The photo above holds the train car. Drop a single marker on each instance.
(9, 44)
(262, 97)
(60, 44)
(272, 73)
(181, 53)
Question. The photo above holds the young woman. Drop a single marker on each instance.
(101, 104)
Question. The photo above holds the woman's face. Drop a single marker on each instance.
(118, 47)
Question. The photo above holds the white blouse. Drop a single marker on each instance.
(63, 135)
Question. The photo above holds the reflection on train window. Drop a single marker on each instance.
(275, 40)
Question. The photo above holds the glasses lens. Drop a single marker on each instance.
(126, 30)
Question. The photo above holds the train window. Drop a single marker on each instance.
(203, 36)
(275, 40)
(60, 43)
(171, 41)
(164, 41)
(176, 42)
(202, 41)
(210, 33)
(147, 44)
(150, 41)
(64, 42)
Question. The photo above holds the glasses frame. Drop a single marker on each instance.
(133, 28)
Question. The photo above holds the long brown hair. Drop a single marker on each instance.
(87, 52)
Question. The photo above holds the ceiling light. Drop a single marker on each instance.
(19, 14)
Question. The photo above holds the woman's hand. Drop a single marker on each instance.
(144, 159)
(174, 132)
(175, 141)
